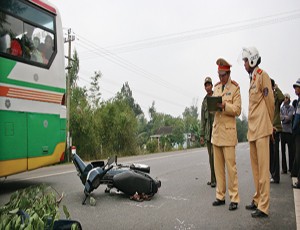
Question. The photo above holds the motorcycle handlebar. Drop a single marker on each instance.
(106, 170)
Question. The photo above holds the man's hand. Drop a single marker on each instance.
(221, 105)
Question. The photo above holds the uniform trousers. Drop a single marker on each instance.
(287, 138)
(260, 161)
(211, 161)
(274, 157)
(225, 155)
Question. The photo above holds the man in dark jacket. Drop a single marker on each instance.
(277, 129)
(296, 129)
(207, 120)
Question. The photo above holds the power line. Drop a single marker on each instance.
(109, 52)
(181, 37)
(101, 52)
(188, 36)
(140, 92)
(204, 32)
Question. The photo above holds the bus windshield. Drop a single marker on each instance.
(26, 33)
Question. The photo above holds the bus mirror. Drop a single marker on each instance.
(5, 43)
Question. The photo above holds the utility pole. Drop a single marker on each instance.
(69, 39)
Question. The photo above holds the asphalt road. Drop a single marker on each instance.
(183, 202)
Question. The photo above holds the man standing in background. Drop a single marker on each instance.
(207, 120)
(296, 130)
(286, 117)
(277, 129)
(295, 168)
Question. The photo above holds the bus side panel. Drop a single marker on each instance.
(43, 134)
(13, 142)
(13, 136)
(63, 130)
(44, 140)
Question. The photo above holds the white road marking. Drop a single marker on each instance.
(47, 175)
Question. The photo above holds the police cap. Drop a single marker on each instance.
(223, 66)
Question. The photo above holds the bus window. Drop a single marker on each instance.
(30, 32)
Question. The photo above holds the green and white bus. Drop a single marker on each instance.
(32, 86)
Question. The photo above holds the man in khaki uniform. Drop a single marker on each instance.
(224, 135)
(260, 128)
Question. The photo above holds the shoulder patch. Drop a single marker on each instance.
(217, 83)
(265, 91)
(259, 71)
(235, 83)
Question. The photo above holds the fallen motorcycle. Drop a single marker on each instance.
(130, 179)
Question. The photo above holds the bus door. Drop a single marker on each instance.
(43, 137)
(13, 141)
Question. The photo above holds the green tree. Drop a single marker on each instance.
(126, 95)
(242, 128)
(152, 111)
(192, 123)
(73, 69)
(142, 134)
(195, 129)
(117, 128)
(95, 89)
(83, 122)
(177, 136)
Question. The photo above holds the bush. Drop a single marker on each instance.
(35, 207)
(151, 146)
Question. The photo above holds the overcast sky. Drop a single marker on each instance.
(165, 48)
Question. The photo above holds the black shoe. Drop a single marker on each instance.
(233, 206)
(213, 184)
(251, 206)
(208, 183)
(258, 214)
(218, 202)
(296, 185)
(272, 181)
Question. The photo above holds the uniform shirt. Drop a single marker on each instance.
(224, 131)
(261, 106)
(206, 122)
(286, 116)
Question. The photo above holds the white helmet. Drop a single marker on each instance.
(251, 53)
